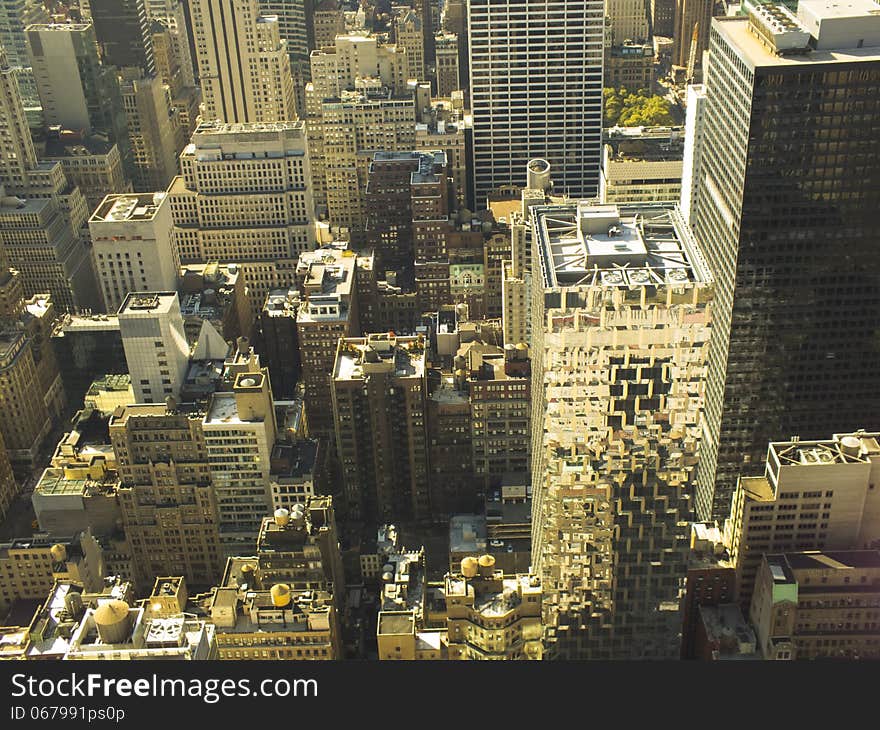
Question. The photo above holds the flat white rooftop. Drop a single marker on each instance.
(148, 303)
(628, 245)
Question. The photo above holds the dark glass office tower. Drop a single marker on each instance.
(788, 213)
(123, 33)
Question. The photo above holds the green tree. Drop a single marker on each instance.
(636, 109)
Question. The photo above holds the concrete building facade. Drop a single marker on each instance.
(620, 333)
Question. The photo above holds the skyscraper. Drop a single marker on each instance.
(786, 214)
(155, 344)
(379, 407)
(123, 34)
(17, 157)
(536, 91)
(132, 246)
(75, 89)
(243, 64)
(152, 128)
(621, 310)
(243, 196)
(691, 16)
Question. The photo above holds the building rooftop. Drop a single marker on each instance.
(66, 27)
(447, 393)
(645, 144)
(726, 627)
(833, 559)
(129, 207)
(294, 461)
(43, 541)
(282, 303)
(854, 448)
(326, 277)
(585, 244)
(54, 483)
(77, 146)
(148, 303)
(756, 54)
(357, 358)
(396, 623)
(113, 382)
(86, 323)
(467, 534)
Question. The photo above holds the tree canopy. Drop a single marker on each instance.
(635, 109)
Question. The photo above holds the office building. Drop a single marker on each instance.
(401, 625)
(490, 615)
(275, 623)
(116, 630)
(628, 21)
(379, 410)
(788, 234)
(86, 347)
(499, 383)
(327, 22)
(8, 485)
(30, 566)
(14, 18)
(690, 33)
(818, 604)
(280, 345)
(43, 245)
(326, 279)
(239, 431)
(244, 196)
(153, 131)
(690, 164)
(132, 246)
(78, 490)
(663, 18)
(172, 16)
(814, 495)
(532, 71)
(123, 34)
(408, 34)
(155, 344)
(18, 149)
(352, 128)
(41, 214)
(91, 163)
(25, 420)
(448, 78)
(642, 165)
(297, 475)
(76, 90)
(300, 547)
(291, 16)
(243, 63)
(174, 66)
(722, 633)
(629, 66)
(710, 584)
(215, 293)
(170, 512)
(451, 480)
(512, 208)
(48, 634)
(403, 187)
(454, 20)
(616, 422)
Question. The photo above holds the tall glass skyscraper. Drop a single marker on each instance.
(787, 207)
(536, 92)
